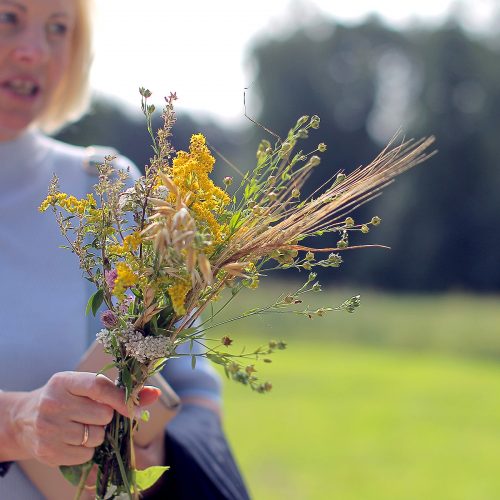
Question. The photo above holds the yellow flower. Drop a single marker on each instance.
(70, 203)
(52, 200)
(178, 292)
(130, 244)
(125, 278)
(190, 174)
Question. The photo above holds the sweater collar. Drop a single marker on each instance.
(21, 158)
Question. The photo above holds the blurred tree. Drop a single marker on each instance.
(116, 124)
(367, 81)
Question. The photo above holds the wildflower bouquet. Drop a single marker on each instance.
(161, 251)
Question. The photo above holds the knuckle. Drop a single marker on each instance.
(100, 434)
(107, 414)
(42, 427)
(58, 380)
(47, 405)
(43, 452)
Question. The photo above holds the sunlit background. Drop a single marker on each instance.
(398, 401)
(200, 49)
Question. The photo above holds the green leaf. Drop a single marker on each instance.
(73, 473)
(95, 302)
(216, 359)
(193, 362)
(144, 479)
(106, 368)
(127, 382)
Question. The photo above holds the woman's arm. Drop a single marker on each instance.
(10, 449)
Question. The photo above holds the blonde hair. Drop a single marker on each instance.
(71, 97)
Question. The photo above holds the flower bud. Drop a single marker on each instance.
(302, 121)
(349, 222)
(145, 92)
(376, 220)
(286, 147)
(295, 193)
(263, 148)
(228, 180)
(314, 161)
(315, 121)
(364, 229)
(227, 341)
(322, 147)
(334, 259)
(109, 319)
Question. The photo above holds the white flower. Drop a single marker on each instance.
(161, 192)
(125, 198)
(104, 338)
(146, 349)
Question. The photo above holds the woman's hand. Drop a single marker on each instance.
(50, 422)
(152, 454)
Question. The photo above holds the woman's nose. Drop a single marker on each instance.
(32, 48)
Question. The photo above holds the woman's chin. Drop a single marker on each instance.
(13, 127)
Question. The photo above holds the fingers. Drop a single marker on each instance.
(75, 432)
(91, 412)
(149, 395)
(99, 388)
(102, 389)
(74, 455)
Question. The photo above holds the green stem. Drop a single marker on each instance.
(85, 474)
(116, 449)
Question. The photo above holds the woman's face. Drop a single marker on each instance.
(35, 43)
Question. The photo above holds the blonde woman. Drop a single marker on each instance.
(48, 412)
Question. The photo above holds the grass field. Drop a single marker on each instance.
(399, 401)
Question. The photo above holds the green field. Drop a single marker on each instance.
(399, 401)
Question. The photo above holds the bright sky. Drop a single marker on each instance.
(197, 47)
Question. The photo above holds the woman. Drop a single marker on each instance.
(48, 411)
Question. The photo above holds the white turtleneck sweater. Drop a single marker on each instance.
(42, 293)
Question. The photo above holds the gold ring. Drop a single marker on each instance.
(85, 435)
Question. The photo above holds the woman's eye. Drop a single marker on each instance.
(8, 18)
(58, 29)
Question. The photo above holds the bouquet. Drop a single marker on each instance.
(161, 249)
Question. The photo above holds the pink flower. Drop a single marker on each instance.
(109, 319)
(123, 307)
(110, 277)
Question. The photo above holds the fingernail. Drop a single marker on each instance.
(152, 387)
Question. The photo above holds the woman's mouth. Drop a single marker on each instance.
(21, 87)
